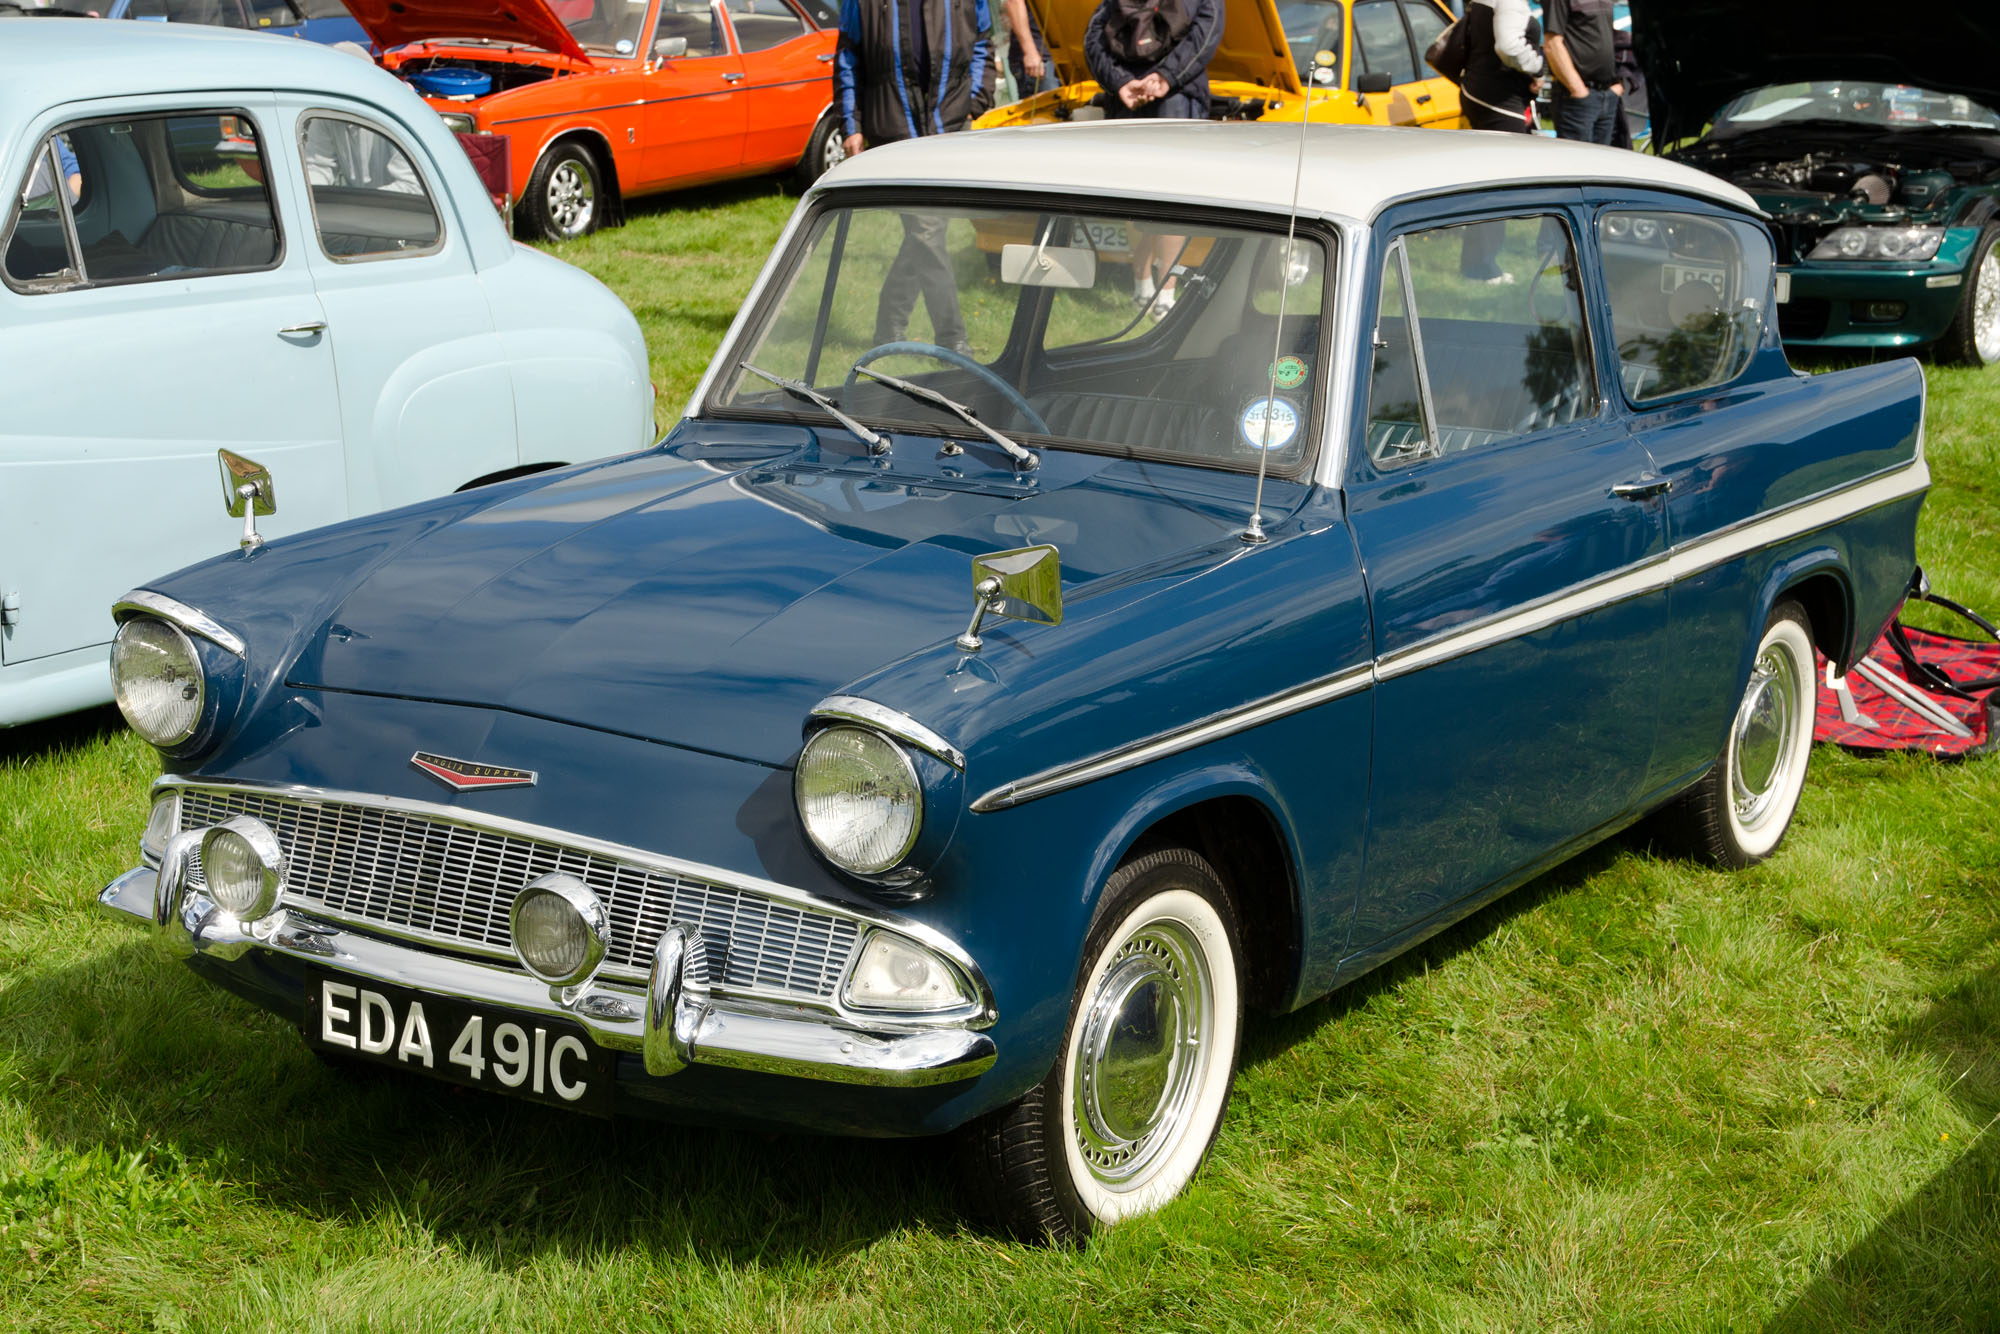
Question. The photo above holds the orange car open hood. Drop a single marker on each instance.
(1253, 43)
(528, 22)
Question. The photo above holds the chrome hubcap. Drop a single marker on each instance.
(1141, 1051)
(1986, 307)
(1766, 737)
(835, 151)
(572, 198)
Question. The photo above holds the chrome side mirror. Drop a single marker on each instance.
(670, 48)
(247, 492)
(1024, 584)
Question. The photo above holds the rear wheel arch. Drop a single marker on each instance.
(1828, 603)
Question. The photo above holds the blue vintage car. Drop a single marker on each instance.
(212, 240)
(1000, 684)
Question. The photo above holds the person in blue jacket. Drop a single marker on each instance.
(1151, 59)
(904, 69)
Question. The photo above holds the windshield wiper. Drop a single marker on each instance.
(876, 444)
(1023, 458)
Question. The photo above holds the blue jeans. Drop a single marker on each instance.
(1590, 118)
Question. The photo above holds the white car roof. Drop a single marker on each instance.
(1350, 171)
(47, 62)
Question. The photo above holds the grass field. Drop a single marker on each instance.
(1636, 1094)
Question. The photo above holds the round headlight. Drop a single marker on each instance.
(859, 798)
(243, 865)
(157, 680)
(561, 929)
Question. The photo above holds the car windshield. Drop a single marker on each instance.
(1877, 105)
(1042, 322)
(604, 25)
(1311, 26)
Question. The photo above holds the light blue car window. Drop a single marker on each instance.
(368, 200)
(165, 196)
(1500, 334)
(1687, 298)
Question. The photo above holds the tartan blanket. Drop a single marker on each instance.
(1915, 690)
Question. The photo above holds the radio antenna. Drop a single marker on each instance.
(1253, 533)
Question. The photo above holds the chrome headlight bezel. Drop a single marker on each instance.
(267, 855)
(894, 775)
(590, 915)
(125, 646)
(1878, 245)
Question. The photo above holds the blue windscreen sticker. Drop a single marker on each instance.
(1272, 429)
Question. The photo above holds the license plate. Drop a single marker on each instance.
(1674, 275)
(461, 1043)
(1107, 235)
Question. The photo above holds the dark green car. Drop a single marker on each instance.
(1878, 162)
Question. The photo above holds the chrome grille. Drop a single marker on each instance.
(453, 883)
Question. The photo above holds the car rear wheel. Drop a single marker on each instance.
(1738, 813)
(826, 150)
(1119, 1126)
(1974, 334)
(565, 195)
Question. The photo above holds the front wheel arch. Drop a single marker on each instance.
(611, 205)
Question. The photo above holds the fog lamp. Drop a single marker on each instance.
(895, 973)
(560, 929)
(1879, 312)
(243, 865)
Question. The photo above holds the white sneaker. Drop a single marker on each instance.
(1162, 303)
(1142, 291)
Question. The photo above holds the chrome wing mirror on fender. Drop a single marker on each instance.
(247, 492)
(1024, 584)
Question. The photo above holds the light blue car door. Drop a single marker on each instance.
(1515, 557)
(156, 306)
(425, 394)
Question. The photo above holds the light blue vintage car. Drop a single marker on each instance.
(214, 240)
(965, 718)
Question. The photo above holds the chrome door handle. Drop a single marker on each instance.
(310, 327)
(825, 59)
(1648, 484)
(732, 78)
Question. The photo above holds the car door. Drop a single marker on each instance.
(425, 398)
(1433, 98)
(790, 78)
(1518, 596)
(1382, 46)
(157, 306)
(694, 118)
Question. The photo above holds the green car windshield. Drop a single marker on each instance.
(1882, 105)
(1043, 324)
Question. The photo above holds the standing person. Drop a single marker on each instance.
(1027, 53)
(1151, 59)
(1503, 70)
(1584, 59)
(904, 69)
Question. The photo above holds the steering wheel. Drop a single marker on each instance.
(960, 360)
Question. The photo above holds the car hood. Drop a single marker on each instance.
(1698, 54)
(527, 22)
(1253, 46)
(680, 601)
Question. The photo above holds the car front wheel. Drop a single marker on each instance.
(1738, 813)
(1119, 1126)
(826, 150)
(565, 195)
(1974, 334)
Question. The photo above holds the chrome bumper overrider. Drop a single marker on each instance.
(672, 1022)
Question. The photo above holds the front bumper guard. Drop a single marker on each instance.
(676, 1022)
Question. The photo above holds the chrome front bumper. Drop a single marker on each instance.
(672, 1023)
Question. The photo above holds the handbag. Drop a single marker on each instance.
(1447, 55)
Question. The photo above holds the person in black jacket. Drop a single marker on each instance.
(1151, 59)
(1503, 67)
(904, 69)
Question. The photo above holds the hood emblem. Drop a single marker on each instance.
(465, 776)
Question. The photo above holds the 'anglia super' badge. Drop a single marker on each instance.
(465, 776)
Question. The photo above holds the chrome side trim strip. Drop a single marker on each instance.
(179, 613)
(917, 931)
(855, 709)
(1656, 572)
(1213, 728)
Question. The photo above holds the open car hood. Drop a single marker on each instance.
(527, 22)
(1253, 43)
(1698, 54)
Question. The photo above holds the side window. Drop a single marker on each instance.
(1425, 25)
(1385, 45)
(763, 24)
(368, 200)
(1687, 298)
(181, 196)
(693, 20)
(1481, 328)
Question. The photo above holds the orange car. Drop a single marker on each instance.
(603, 100)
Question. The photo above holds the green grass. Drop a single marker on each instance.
(1636, 1094)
